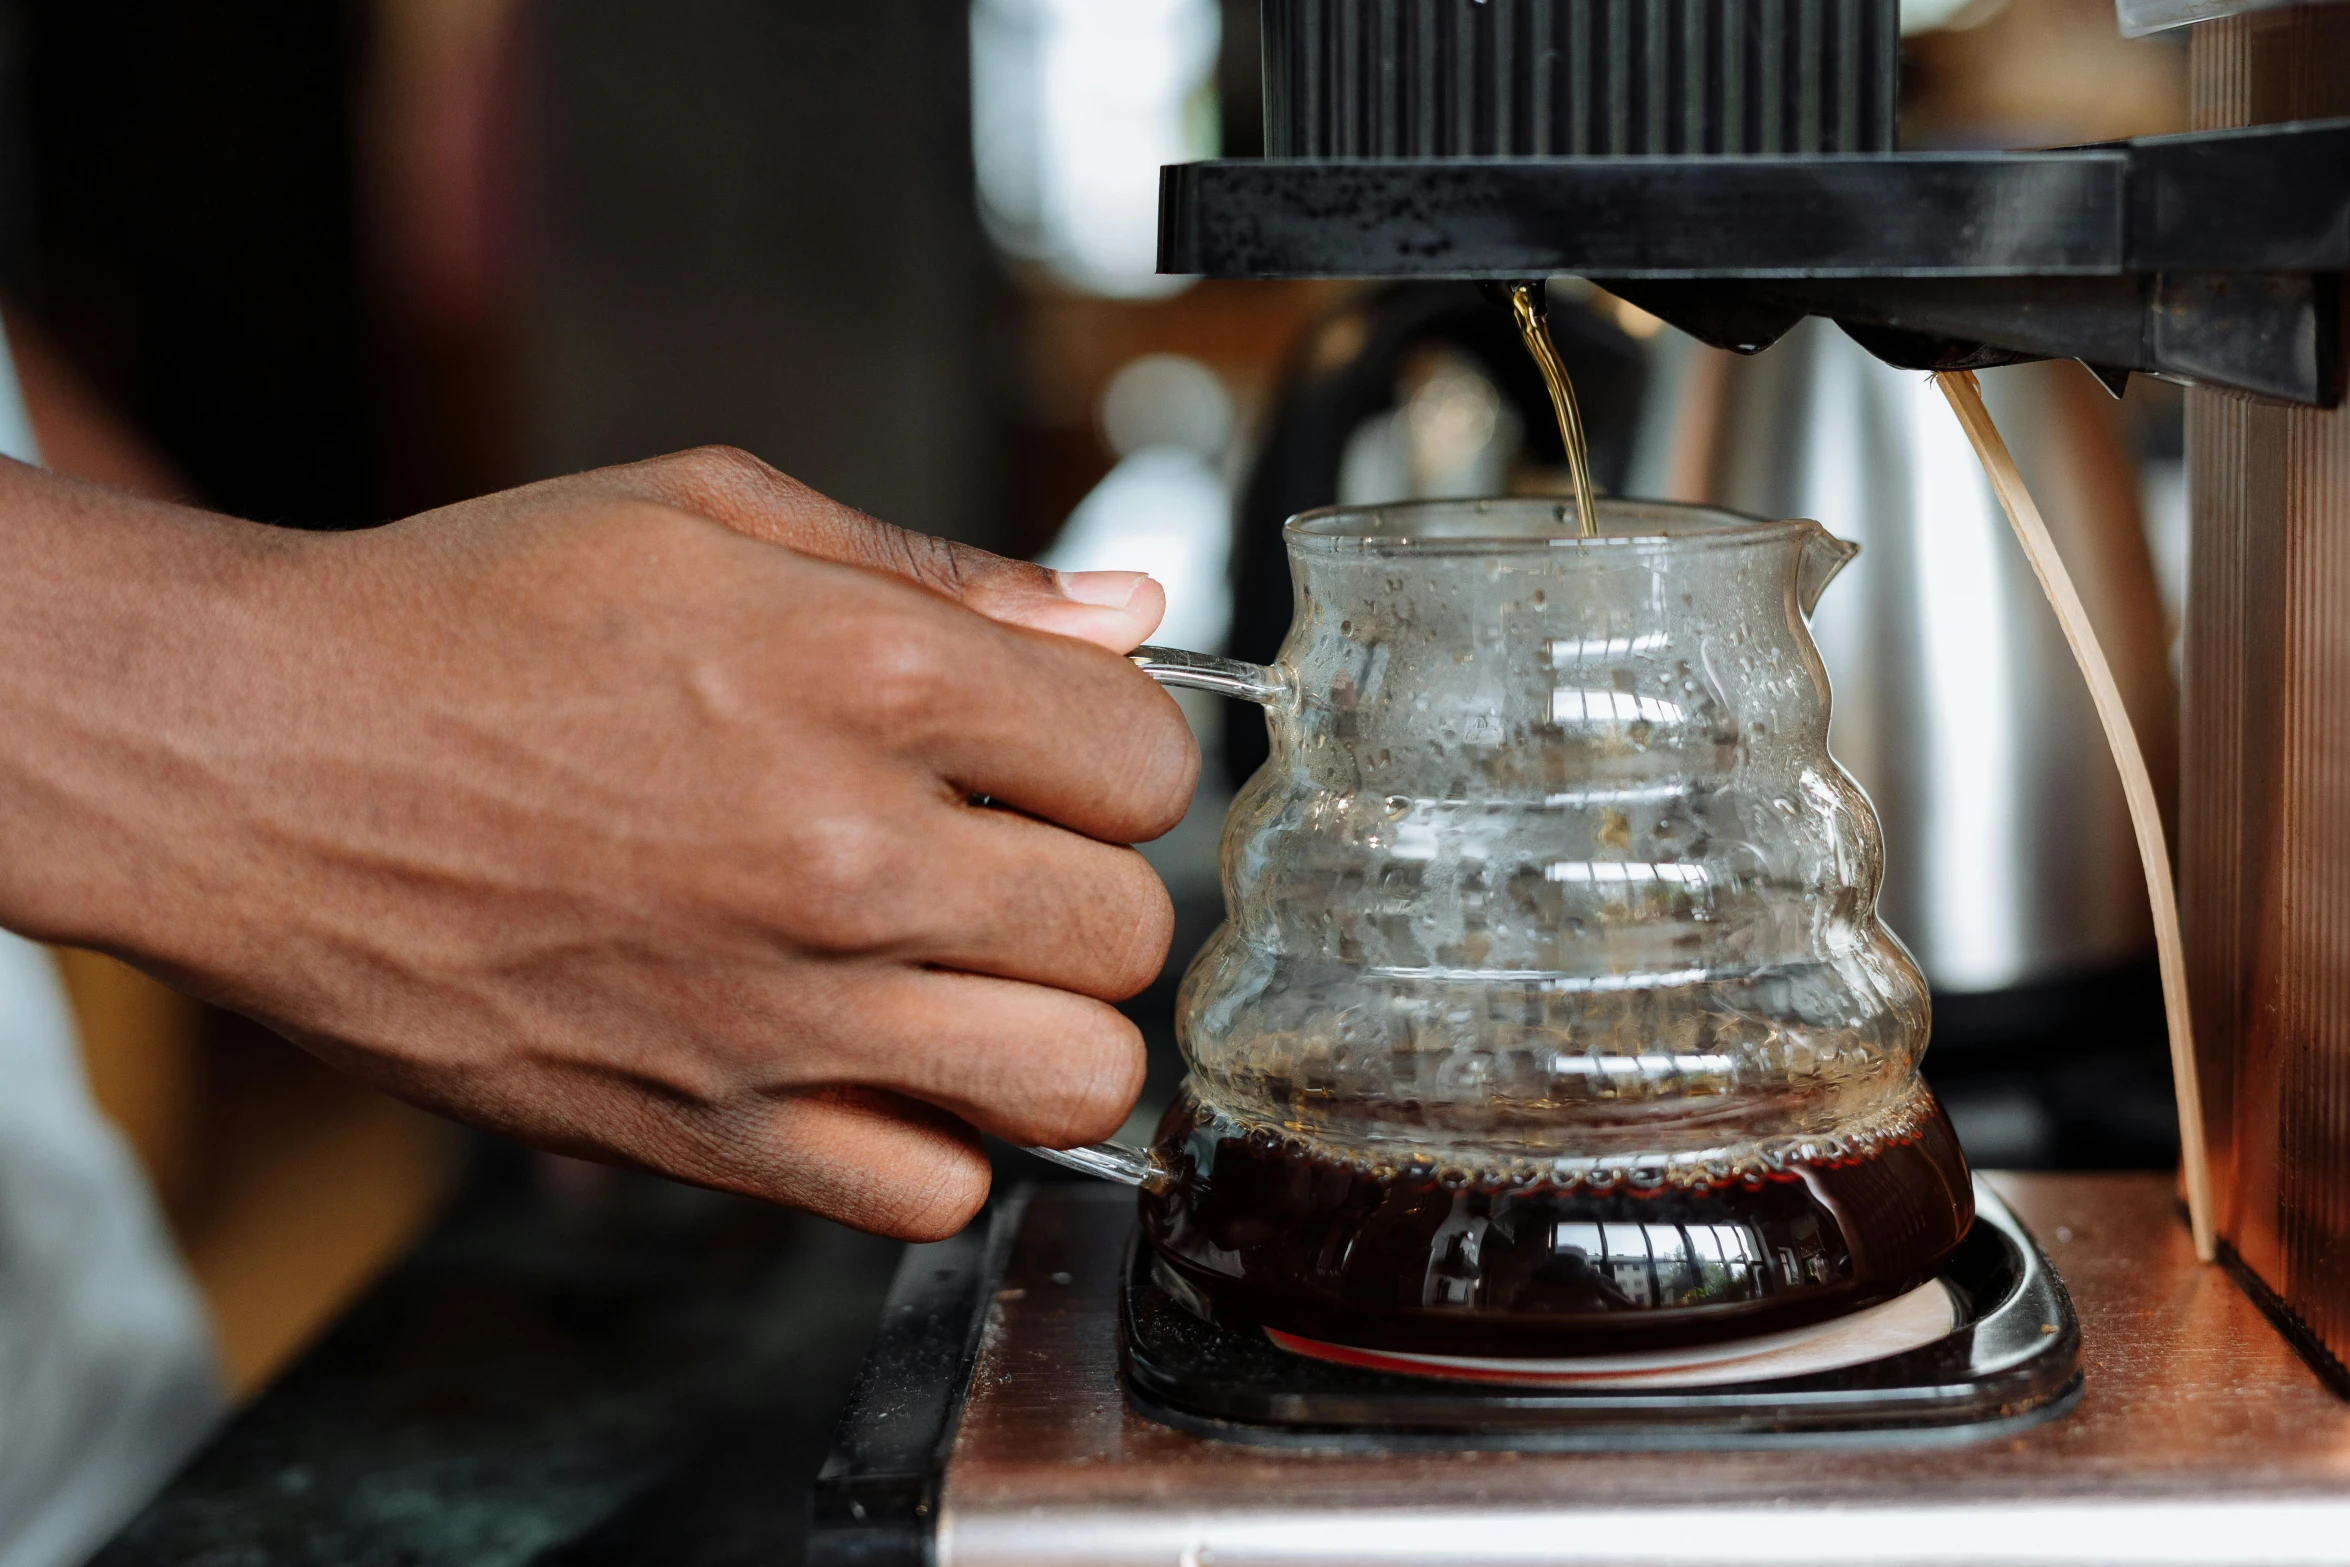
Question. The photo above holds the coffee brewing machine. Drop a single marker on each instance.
(1037, 1394)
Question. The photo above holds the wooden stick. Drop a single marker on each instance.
(1966, 400)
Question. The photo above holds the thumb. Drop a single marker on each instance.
(1113, 609)
(1116, 609)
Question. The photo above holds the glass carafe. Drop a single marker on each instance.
(1552, 1011)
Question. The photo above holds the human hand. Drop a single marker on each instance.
(587, 814)
(1114, 609)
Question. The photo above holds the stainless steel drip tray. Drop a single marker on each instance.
(2011, 1358)
(992, 1427)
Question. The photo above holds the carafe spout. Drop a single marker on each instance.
(1823, 555)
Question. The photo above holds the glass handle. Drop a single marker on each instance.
(1234, 677)
(1170, 666)
(1112, 1162)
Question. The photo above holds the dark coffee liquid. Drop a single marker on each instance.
(1263, 1231)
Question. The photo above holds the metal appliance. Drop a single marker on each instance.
(1024, 1405)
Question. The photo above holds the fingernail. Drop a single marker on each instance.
(1106, 589)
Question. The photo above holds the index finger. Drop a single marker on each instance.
(1117, 609)
(1062, 730)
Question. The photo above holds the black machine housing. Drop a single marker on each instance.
(1727, 165)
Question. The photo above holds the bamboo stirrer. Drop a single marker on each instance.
(1966, 400)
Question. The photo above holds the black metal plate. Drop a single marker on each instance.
(2214, 256)
(2013, 1359)
(1928, 214)
(2263, 199)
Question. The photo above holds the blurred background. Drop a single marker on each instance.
(327, 264)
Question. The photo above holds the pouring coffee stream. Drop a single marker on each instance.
(1528, 309)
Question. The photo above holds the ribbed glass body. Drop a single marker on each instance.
(1550, 893)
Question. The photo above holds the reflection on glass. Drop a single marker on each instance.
(1673, 1264)
(1610, 707)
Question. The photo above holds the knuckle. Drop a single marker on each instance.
(937, 1202)
(726, 470)
(983, 577)
(975, 578)
(842, 878)
(1097, 1075)
(1143, 929)
(869, 1159)
(1162, 771)
(905, 674)
(931, 561)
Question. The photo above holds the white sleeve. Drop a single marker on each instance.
(107, 1373)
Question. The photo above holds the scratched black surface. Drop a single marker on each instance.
(645, 1373)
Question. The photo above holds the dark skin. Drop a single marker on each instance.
(629, 814)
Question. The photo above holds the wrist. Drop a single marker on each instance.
(124, 627)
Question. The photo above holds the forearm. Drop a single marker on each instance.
(123, 623)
